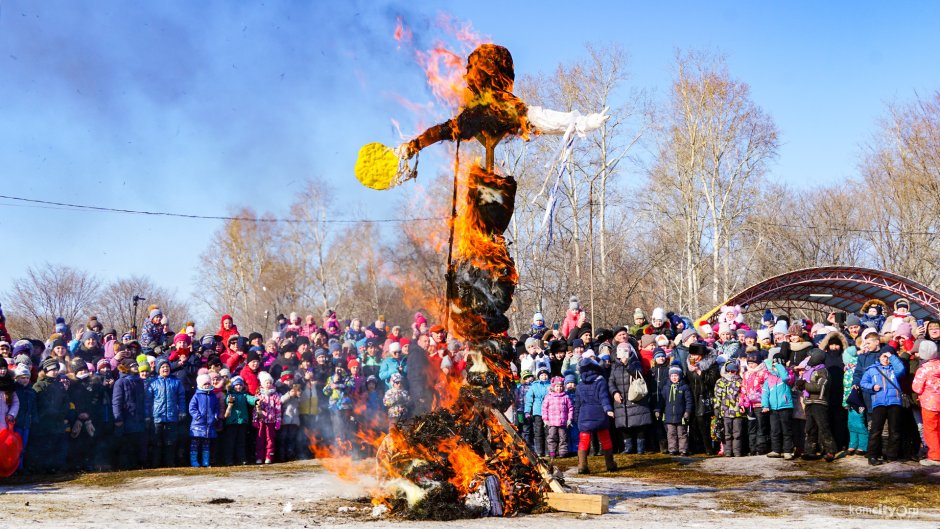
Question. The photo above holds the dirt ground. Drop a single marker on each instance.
(648, 492)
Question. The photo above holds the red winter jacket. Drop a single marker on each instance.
(226, 334)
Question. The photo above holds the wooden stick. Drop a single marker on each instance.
(543, 469)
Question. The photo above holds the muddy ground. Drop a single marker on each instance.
(648, 492)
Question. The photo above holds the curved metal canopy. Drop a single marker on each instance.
(843, 288)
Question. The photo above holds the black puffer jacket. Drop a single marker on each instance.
(629, 414)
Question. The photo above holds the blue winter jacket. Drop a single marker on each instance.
(592, 398)
(676, 401)
(776, 394)
(534, 397)
(204, 410)
(166, 400)
(389, 367)
(128, 402)
(28, 410)
(886, 378)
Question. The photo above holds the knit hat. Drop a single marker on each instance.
(867, 331)
(526, 374)
(352, 363)
(750, 333)
(904, 329)
(901, 302)
(731, 366)
(102, 363)
(638, 313)
(570, 379)
(659, 314)
(753, 357)
(50, 364)
(852, 319)
(394, 347)
(160, 363)
(686, 334)
(264, 376)
(675, 370)
(780, 327)
(183, 339)
(557, 380)
(768, 316)
(537, 317)
(577, 342)
(763, 334)
(723, 328)
(238, 380)
(588, 354)
(333, 345)
(573, 303)
(927, 350)
(203, 380)
(706, 330)
(532, 341)
(396, 377)
(647, 340)
(321, 352)
(23, 371)
(23, 359)
(155, 312)
(659, 352)
(795, 330)
(252, 355)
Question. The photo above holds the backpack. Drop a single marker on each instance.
(637, 390)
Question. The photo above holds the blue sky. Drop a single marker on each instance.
(204, 107)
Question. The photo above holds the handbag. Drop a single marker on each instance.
(905, 399)
(637, 390)
(855, 399)
(707, 404)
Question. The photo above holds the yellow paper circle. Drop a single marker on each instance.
(376, 166)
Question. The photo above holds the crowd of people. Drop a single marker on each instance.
(864, 384)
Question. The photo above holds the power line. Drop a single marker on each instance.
(210, 217)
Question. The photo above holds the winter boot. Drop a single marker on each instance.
(640, 445)
(205, 457)
(583, 462)
(609, 460)
(628, 445)
(194, 458)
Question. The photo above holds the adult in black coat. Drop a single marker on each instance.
(630, 418)
(701, 371)
(420, 379)
(833, 345)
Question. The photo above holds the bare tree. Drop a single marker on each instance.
(115, 306)
(46, 292)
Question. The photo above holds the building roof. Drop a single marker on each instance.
(840, 287)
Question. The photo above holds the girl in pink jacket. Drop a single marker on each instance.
(927, 385)
(557, 413)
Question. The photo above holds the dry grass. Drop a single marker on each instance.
(916, 492)
(747, 505)
(661, 469)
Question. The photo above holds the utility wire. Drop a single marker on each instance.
(212, 217)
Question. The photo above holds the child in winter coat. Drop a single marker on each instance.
(290, 423)
(752, 386)
(27, 403)
(396, 399)
(204, 410)
(533, 409)
(777, 402)
(881, 379)
(239, 406)
(676, 409)
(339, 392)
(858, 429)
(267, 418)
(927, 385)
(571, 386)
(557, 413)
(729, 409)
(525, 423)
(814, 382)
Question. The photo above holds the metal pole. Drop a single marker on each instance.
(591, 243)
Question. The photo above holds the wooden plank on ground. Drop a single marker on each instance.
(586, 503)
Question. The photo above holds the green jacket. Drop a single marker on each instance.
(241, 409)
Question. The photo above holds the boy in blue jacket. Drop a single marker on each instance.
(533, 409)
(881, 380)
(676, 406)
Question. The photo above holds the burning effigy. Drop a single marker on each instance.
(464, 458)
